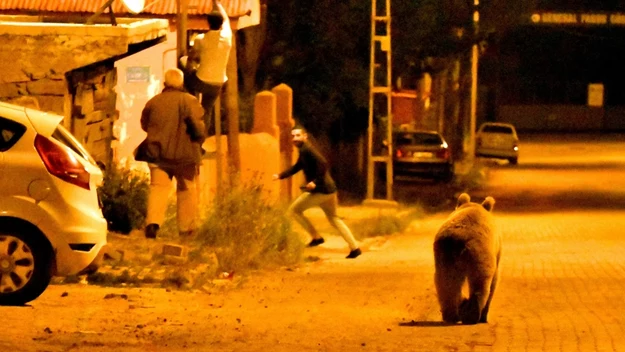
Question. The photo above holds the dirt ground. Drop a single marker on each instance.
(288, 309)
(325, 304)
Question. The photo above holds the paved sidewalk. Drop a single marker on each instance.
(562, 284)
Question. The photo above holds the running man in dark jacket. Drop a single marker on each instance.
(320, 190)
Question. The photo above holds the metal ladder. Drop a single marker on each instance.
(380, 49)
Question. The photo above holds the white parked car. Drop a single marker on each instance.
(497, 140)
(51, 221)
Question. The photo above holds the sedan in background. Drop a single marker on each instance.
(422, 153)
(497, 140)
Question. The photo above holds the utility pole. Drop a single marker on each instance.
(474, 67)
(380, 95)
(231, 95)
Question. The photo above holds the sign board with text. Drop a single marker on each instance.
(138, 74)
(580, 19)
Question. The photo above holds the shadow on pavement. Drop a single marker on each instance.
(426, 324)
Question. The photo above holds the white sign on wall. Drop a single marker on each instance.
(138, 74)
(595, 94)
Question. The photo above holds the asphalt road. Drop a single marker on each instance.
(561, 211)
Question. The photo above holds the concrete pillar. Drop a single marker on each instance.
(265, 114)
(284, 115)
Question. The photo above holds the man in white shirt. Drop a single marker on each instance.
(210, 54)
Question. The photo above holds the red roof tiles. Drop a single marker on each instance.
(235, 8)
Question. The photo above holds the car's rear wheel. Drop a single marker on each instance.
(24, 267)
(513, 161)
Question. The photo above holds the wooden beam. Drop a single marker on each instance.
(181, 28)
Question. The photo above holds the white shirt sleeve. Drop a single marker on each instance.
(226, 31)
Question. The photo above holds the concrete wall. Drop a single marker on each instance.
(266, 151)
(552, 117)
(260, 159)
(614, 119)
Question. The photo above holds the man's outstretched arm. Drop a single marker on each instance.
(223, 12)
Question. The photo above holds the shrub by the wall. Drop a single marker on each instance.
(124, 195)
(246, 232)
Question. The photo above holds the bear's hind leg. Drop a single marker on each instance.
(479, 292)
(470, 310)
(449, 290)
(493, 286)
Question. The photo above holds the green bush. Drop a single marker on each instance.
(247, 232)
(124, 195)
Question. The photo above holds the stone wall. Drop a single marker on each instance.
(46, 93)
(93, 111)
(68, 69)
(34, 65)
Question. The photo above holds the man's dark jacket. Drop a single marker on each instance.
(315, 169)
(173, 121)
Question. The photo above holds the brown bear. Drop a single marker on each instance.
(467, 248)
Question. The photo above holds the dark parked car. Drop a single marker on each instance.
(422, 153)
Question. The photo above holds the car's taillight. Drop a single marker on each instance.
(61, 163)
(443, 153)
(399, 153)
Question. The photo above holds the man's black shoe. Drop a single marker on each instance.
(151, 230)
(353, 254)
(316, 241)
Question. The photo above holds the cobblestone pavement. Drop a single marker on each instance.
(563, 278)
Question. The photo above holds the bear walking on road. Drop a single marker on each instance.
(467, 248)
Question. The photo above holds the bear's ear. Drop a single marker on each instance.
(489, 203)
(463, 199)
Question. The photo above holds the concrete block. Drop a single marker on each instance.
(174, 250)
(46, 87)
(284, 106)
(55, 104)
(9, 90)
(265, 113)
(27, 101)
(109, 253)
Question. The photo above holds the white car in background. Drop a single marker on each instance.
(497, 140)
(51, 222)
